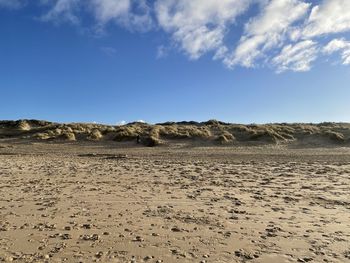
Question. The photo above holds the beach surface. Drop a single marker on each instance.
(110, 202)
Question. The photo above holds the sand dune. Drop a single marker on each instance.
(210, 133)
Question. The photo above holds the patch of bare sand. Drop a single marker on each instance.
(165, 205)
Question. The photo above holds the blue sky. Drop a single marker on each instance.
(239, 61)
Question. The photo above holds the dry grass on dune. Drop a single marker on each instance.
(226, 138)
(95, 135)
(210, 132)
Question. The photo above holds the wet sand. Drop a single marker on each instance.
(78, 202)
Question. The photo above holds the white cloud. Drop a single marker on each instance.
(336, 45)
(133, 14)
(12, 4)
(286, 34)
(198, 26)
(140, 17)
(283, 27)
(120, 123)
(63, 10)
(331, 16)
(106, 10)
(267, 30)
(297, 57)
(339, 45)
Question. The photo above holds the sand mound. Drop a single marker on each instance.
(225, 138)
(23, 125)
(126, 133)
(95, 135)
(336, 137)
(42, 136)
(67, 135)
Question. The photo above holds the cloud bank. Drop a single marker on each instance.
(286, 35)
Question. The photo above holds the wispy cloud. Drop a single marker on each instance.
(267, 31)
(121, 123)
(132, 14)
(63, 11)
(106, 10)
(162, 51)
(339, 45)
(331, 16)
(198, 26)
(282, 34)
(297, 57)
(109, 51)
(12, 4)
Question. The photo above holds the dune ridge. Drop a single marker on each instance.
(211, 132)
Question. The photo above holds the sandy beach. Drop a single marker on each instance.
(175, 131)
(76, 202)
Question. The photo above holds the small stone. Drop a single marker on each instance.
(93, 237)
(66, 236)
(138, 239)
(87, 226)
(176, 229)
(305, 259)
(238, 253)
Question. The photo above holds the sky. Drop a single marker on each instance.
(116, 61)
